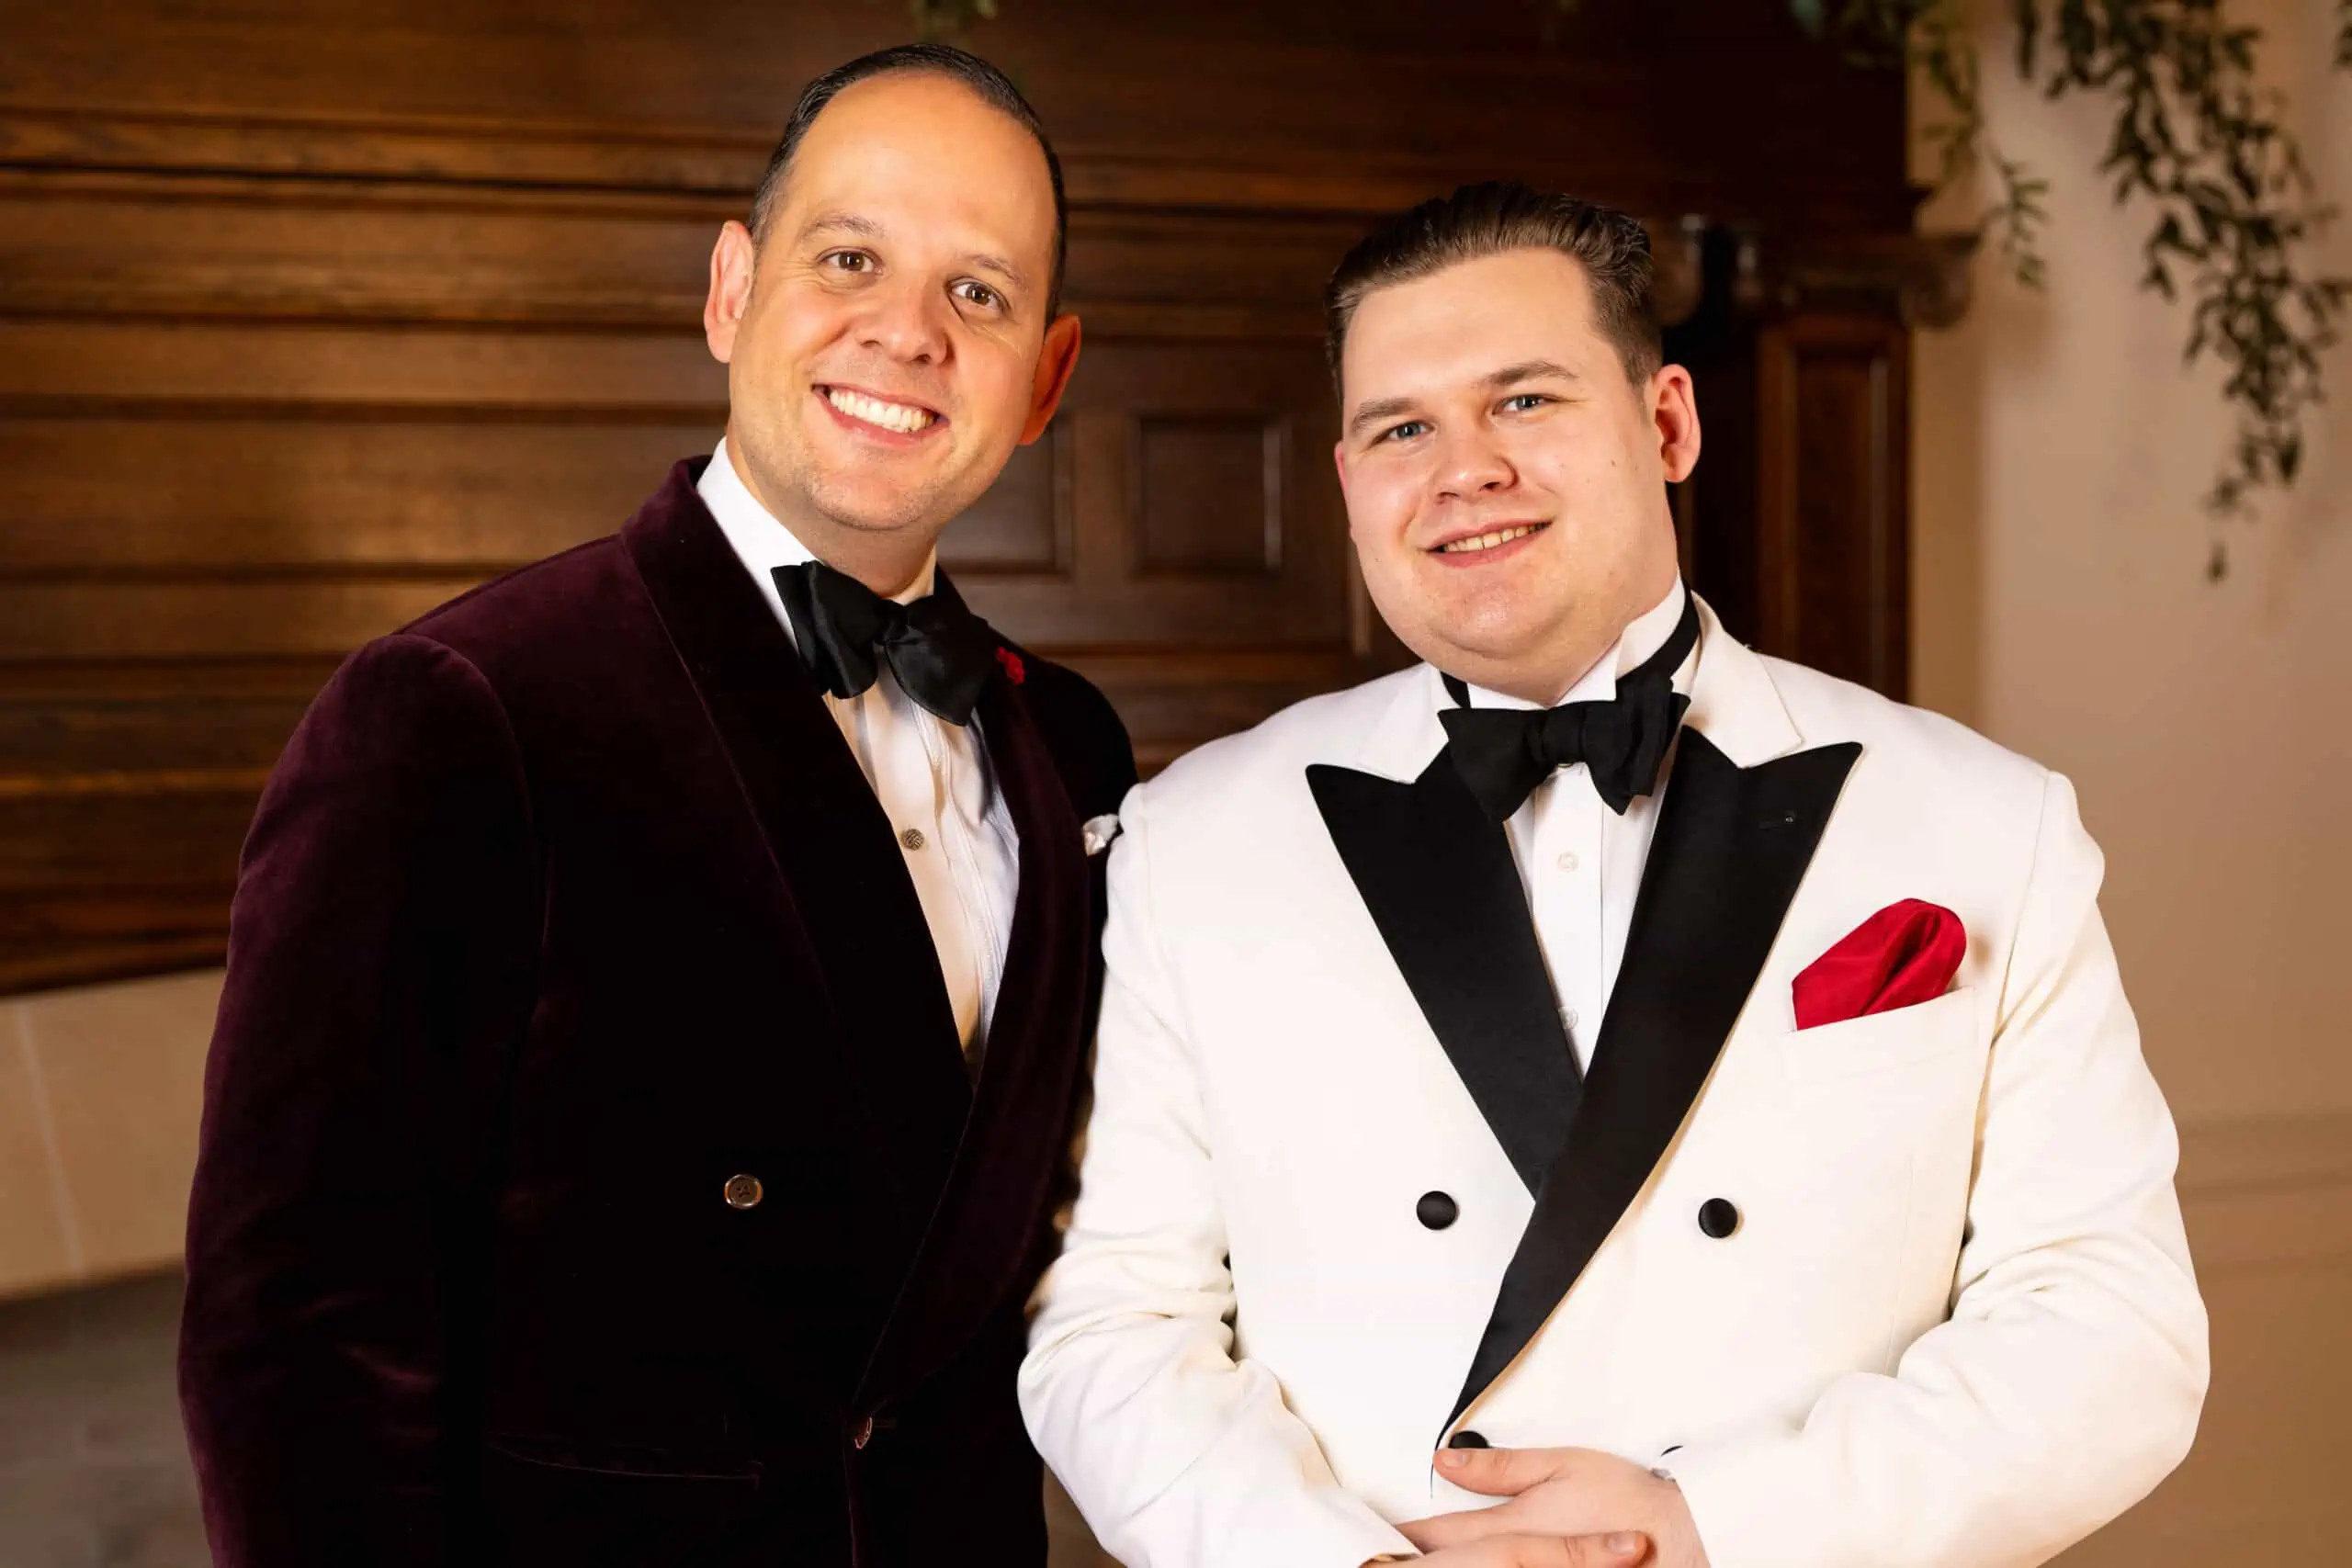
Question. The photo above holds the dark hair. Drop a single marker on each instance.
(993, 88)
(1503, 215)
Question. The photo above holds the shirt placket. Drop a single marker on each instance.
(1565, 866)
(956, 831)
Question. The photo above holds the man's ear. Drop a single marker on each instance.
(1055, 360)
(1674, 404)
(1339, 463)
(732, 261)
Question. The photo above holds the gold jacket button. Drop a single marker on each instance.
(745, 1191)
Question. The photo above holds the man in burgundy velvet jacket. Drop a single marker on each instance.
(661, 980)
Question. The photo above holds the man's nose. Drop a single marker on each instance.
(1472, 463)
(907, 321)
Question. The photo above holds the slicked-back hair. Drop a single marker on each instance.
(993, 87)
(1486, 219)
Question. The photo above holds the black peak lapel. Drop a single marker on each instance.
(1731, 846)
(1438, 877)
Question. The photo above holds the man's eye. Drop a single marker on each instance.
(1522, 401)
(1404, 432)
(849, 261)
(980, 294)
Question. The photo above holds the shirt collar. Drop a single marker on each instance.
(1643, 636)
(761, 540)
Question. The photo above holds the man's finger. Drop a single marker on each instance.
(1621, 1548)
(1452, 1530)
(1501, 1472)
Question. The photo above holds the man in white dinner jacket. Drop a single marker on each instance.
(1459, 1177)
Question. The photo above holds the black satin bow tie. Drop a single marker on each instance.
(1503, 753)
(942, 653)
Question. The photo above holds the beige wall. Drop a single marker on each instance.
(99, 1093)
(2060, 606)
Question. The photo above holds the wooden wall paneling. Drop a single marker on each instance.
(1727, 110)
(1832, 518)
(1715, 508)
(124, 792)
(312, 316)
(261, 498)
(1186, 460)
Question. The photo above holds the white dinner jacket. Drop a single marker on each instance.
(1952, 1322)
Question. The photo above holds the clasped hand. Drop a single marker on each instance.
(1568, 1509)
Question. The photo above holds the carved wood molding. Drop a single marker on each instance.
(1921, 280)
(694, 165)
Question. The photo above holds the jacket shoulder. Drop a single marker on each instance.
(1276, 752)
(1825, 708)
(564, 598)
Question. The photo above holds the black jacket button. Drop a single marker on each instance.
(1718, 1217)
(1466, 1439)
(1437, 1211)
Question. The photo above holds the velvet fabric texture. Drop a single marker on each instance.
(566, 906)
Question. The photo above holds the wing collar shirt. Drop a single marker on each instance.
(932, 778)
(1579, 862)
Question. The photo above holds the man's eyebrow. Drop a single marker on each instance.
(1377, 410)
(841, 223)
(863, 228)
(1527, 370)
(1000, 267)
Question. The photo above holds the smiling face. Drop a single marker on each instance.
(1506, 484)
(887, 341)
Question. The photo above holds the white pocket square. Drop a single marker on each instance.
(1099, 832)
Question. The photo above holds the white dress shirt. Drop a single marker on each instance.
(1582, 862)
(932, 778)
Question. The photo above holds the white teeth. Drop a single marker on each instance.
(874, 411)
(1489, 541)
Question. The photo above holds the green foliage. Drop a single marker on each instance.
(2196, 141)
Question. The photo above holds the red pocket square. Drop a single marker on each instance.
(1904, 955)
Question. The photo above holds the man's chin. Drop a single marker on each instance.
(881, 510)
(1494, 628)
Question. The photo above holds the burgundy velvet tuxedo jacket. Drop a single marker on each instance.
(566, 910)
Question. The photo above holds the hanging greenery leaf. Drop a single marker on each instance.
(2197, 142)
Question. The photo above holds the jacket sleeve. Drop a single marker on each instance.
(2068, 1379)
(379, 971)
(1179, 1456)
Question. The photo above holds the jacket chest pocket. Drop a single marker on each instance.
(1853, 1159)
(1880, 1044)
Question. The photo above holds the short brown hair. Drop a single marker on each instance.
(1502, 214)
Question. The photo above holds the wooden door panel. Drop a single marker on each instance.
(1832, 567)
